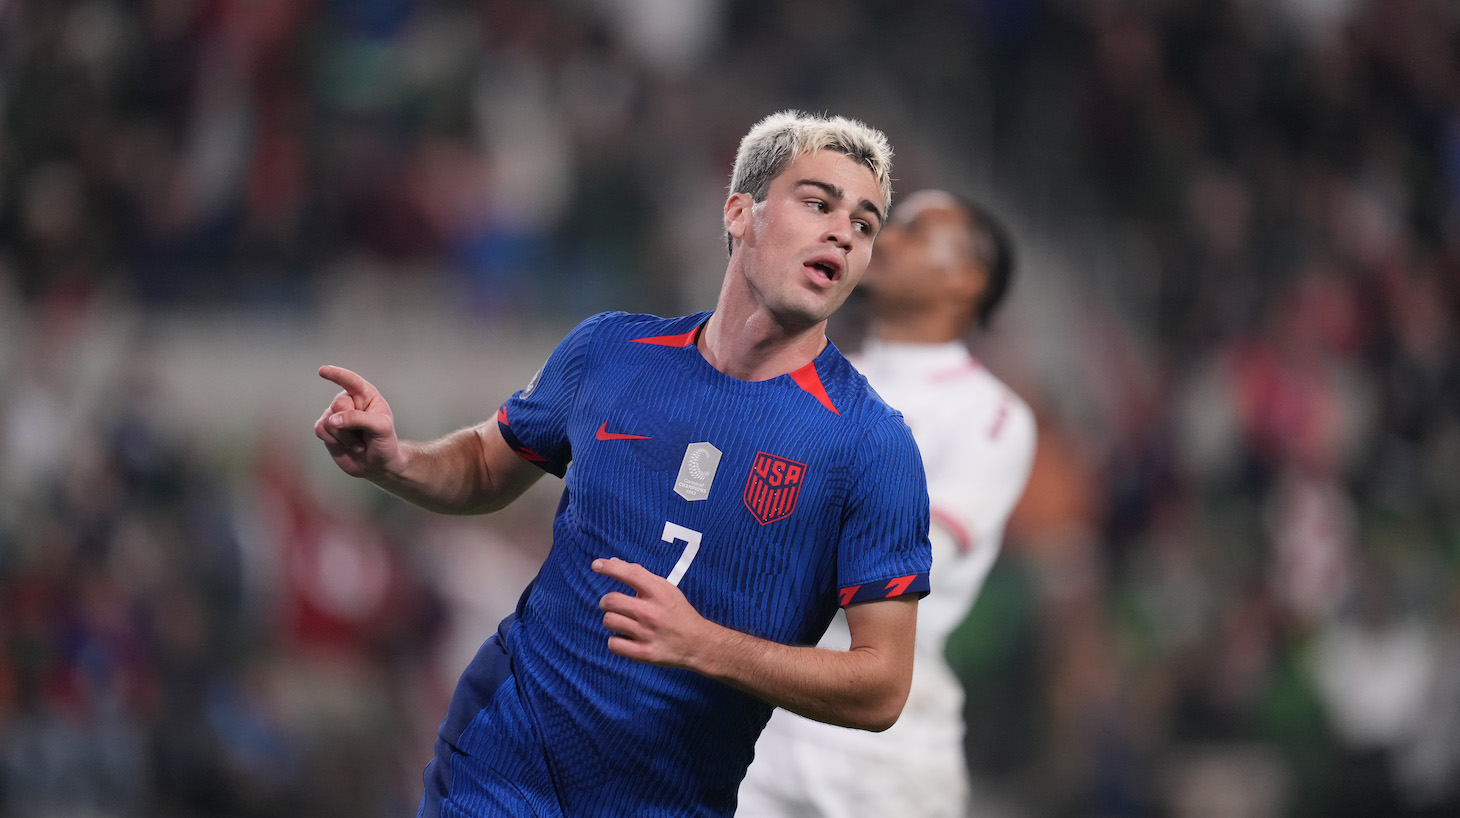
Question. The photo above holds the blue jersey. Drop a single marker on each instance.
(769, 503)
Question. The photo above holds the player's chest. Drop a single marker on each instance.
(703, 451)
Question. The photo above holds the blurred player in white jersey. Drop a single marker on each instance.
(940, 267)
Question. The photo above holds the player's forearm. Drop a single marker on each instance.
(448, 475)
(863, 688)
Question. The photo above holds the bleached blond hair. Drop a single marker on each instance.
(772, 143)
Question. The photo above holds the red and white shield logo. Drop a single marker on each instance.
(773, 486)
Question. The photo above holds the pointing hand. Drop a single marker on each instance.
(357, 428)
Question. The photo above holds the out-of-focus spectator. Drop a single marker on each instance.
(1374, 668)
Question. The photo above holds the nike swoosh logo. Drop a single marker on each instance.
(605, 434)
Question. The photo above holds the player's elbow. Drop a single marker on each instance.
(880, 724)
(881, 716)
(882, 711)
(883, 691)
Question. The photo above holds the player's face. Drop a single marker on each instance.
(923, 254)
(807, 244)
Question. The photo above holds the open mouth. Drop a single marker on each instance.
(826, 269)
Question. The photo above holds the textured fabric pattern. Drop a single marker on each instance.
(809, 504)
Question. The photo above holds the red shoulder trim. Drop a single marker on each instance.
(670, 340)
(807, 379)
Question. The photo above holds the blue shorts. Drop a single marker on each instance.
(512, 778)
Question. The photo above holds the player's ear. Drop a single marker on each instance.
(737, 214)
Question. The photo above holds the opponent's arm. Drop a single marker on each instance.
(469, 471)
(864, 687)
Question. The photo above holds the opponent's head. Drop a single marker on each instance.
(941, 264)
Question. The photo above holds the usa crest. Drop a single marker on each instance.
(773, 486)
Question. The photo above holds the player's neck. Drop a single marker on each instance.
(906, 328)
(752, 346)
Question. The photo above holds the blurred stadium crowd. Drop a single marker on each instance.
(1231, 588)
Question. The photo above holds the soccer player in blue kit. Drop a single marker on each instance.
(733, 483)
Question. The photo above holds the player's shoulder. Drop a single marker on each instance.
(994, 387)
(618, 326)
(861, 402)
(990, 413)
(1004, 413)
(881, 428)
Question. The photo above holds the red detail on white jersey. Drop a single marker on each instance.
(956, 372)
(807, 379)
(670, 340)
(1000, 416)
(962, 537)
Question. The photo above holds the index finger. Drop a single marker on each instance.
(349, 381)
(632, 574)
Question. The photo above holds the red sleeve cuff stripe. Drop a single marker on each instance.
(528, 454)
(898, 586)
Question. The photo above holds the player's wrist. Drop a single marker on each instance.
(725, 655)
(396, 471)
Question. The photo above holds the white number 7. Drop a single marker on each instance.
(691, 539)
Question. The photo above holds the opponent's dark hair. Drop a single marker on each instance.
(993, 248)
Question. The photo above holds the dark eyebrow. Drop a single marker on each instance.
(837, 193)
